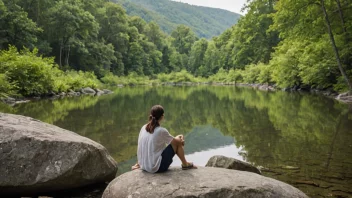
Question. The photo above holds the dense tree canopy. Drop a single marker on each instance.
(306, 43)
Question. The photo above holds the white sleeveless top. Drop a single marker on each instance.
(150, 147)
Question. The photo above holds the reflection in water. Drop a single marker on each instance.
(201, 158)
(205, 138)
(277, 130)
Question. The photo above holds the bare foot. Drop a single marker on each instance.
(135, 167)
(189, 165)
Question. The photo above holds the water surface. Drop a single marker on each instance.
(302, 139)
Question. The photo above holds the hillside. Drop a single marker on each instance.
(205, 22)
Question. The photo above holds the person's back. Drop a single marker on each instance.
(152, 153)
(151, 146)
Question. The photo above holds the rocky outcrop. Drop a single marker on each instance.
(106, 91)
(88, 90)
(38, 157)
(204, 182)
(99, 92)
(231, 163)
(345, 97)
(11, 101)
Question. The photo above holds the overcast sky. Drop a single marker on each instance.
(232, 5)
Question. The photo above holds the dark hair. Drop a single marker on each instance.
(156, 113)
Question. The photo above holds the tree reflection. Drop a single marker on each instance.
(277, 129)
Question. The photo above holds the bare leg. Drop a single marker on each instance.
(180, 152)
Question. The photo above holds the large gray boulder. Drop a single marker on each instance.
(205, 182)
(231, 163)
(39, 157)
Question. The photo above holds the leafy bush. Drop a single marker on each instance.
(29, 74)
(251, 74)
(235, 76)
(178, 77)
(264, 73)
(220, 76)
(341, 85)
(74, 80)
(5, 86)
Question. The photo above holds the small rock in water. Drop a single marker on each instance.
(231, 163)
(9, 100)
(106, 91)
(88, 90)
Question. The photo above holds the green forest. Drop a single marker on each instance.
(57, 45)
(205, 22)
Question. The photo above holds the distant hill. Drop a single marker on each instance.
(205, 22)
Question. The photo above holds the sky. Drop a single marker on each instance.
(232, 5)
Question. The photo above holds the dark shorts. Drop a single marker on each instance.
(166, 160)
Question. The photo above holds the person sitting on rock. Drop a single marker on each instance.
(157, 147)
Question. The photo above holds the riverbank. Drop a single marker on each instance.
(330, 93)
(53, 96)
(343, 97)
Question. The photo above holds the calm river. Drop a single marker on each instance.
(302, 139)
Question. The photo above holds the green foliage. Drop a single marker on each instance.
(183, 39)
(29, 74)
(276, 42)
(251, 38)
(235, 76)
(132, 79)
(341, 85)
(220, 76)
(285, 63)
(317, 71)
(205, 22)
(15, 27)
(308, 27)
(178, 77)
(197, 54)
(63, 81)
(251, 74)
(5, 86)
(265, 72)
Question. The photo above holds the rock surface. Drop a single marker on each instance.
(231, 163)
(345, 97)
(8, 100)
(205, 182)
(39, 157)
(88, 90)
(106, 91)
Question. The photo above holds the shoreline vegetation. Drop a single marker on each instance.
(63, 46)
(27, 76)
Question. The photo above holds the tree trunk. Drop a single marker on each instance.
(332, 39)
(67, 56)
(341, 16)
(60, 54)
(348, 58)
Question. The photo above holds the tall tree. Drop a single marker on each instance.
(15, 27)
(69, 25)
(183, 39)
(197, 54)
(324, 22)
